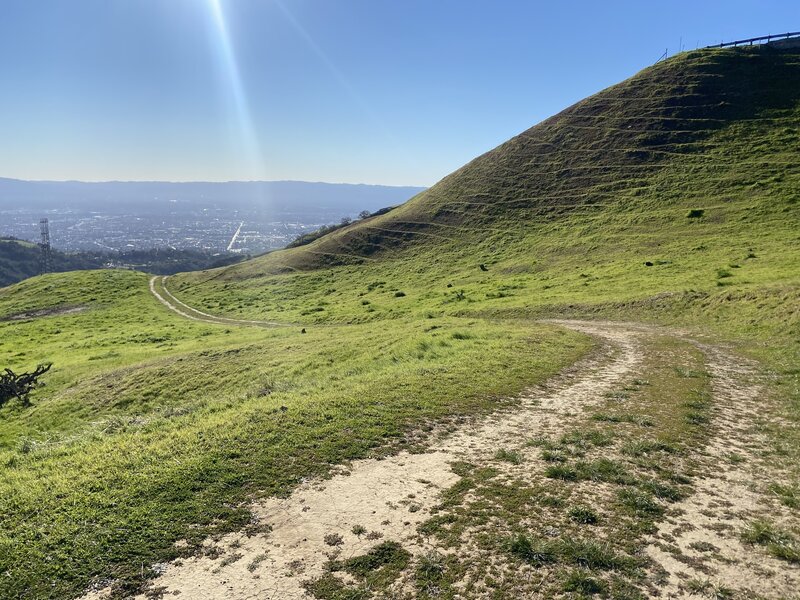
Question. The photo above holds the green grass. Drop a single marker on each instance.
(584, 553)
(583, 515)
(778, 542)
(509, 456)
(579, 581)
(434, 576)
(379, 567)
(789, 495)
(123, 455)
(535, 551)
(389, 556)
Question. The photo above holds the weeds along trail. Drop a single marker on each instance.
(633, 472)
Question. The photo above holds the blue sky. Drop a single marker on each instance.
(371, 91)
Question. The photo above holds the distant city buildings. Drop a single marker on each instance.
(210, 230)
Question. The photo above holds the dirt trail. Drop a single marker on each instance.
(181, 308)
(706, 527)
(389, 497)
(291, 540)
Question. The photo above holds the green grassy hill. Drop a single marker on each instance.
(682, 178)
(671, 197)
(20, 259)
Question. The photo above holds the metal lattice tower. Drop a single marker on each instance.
(46, 257)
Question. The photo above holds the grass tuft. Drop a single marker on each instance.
(583, 515)
(581, 582)
(387, 555)
(779, 542)
(535, 551)
(639, 502)
(509, 456)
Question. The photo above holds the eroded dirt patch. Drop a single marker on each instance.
(45, 312)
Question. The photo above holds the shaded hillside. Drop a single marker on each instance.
(20, 260)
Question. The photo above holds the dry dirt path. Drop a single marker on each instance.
(158, 287)
(390, 496)
(698, 549)
(368, 502)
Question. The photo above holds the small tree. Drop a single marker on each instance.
(364, 214)
(20, 386)
(345, 221)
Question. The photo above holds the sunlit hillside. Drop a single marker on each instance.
(682, 179)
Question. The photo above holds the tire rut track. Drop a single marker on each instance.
(188, 312)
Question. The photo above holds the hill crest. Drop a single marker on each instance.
(598, 152)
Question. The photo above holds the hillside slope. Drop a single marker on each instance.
(20, 260)
(700, 129)
(684, 177)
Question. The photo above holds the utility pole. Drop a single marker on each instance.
(46, 256)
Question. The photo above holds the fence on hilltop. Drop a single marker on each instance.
(764, 39)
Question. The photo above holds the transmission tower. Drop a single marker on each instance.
(46, 256)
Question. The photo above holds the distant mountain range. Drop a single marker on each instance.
(155, 196)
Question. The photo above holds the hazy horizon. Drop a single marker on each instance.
(211, 181)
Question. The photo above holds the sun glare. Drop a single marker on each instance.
(241, 107)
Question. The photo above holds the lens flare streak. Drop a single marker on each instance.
(249, 140)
